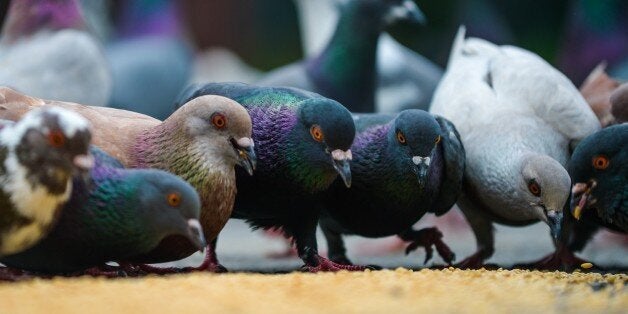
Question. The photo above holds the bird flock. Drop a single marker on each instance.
(505, 137)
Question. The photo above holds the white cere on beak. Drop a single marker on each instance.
(579, 188)
(245, 142)
(421, 160)
(84, 161)
(339, 154)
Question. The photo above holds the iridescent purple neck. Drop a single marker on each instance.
(27, 17)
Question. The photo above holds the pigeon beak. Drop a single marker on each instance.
(583, 190)
(423, 165)
(341, 161)
(410, 12)
(83, 162)
(245, 149)
(554, 220)
(195, 234)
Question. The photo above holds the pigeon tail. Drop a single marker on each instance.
(456, 48)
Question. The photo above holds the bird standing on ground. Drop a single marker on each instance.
(345, 70)
(201, 142)
(46, 51)
(302, 141)
(38, 157)
(517, 117)
(403, 167)
(117, 214)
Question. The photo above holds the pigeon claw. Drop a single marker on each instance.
(327, 265)
(428, 238)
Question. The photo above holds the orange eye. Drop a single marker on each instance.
(174, 199)
(437, 140)
(317, 133)
(600, 162)
(401, 138)
(534, 188)
(219, 120)
(56, 138)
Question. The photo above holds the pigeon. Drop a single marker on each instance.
(599, 169)
(518, 118)
(302, 142)
(345, 70)
(619, 103)
(405, 79)
(403, 167)
(599, 194)
(150, 63)
(45, 51)
(201, 142)
(118, 213)
(39, 155)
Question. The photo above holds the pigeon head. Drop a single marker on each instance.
(544, 187)
(599, 169)
(415, 136)
(221, 126)
(167, 204)
(323, 138)
(387, 11)
(26, 17)
(51, 144)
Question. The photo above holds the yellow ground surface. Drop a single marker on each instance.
(388, 291)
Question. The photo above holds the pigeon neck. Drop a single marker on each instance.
(142, 18)
(27, 17)
(345, 69)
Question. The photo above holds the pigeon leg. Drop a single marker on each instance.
(337, 252)
(210, 263)
(483, 231)
(305, 238)
(427, 238)
(577, 234)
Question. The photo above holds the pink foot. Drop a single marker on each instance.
(327, 265)
(427, 238)
(102, 271)
(561, 259)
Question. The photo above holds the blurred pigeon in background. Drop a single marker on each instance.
(118, 213)
(619, 103)
(150, 61)
(46, 51)
(403, 167)
(38, 157)
(517, 117)
(596, 90)
(346, 69)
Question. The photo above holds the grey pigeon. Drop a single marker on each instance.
(518, 117)
(38, 157)
(45, 51)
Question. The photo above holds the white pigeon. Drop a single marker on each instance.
(518, 117)
(38, 157)
(46, 52)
